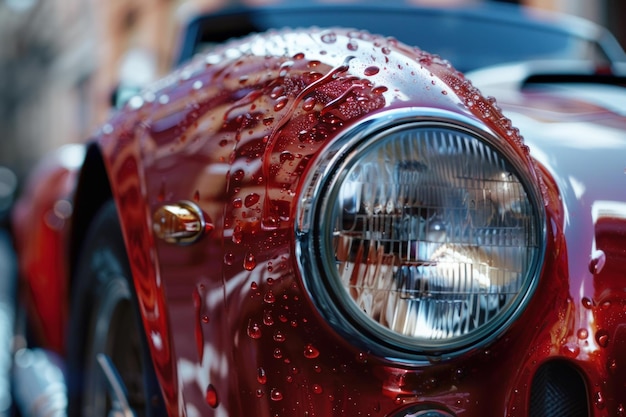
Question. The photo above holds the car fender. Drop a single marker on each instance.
(233, 132)
(40, 222)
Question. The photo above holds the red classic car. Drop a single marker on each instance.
(317, 221)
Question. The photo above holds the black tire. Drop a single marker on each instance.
(104, 318)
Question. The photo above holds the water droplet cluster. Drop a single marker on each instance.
(261, 111)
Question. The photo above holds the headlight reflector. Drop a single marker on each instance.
(426, 237)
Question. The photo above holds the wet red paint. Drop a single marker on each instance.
(239, 148)
(258, 140)
(40, 233)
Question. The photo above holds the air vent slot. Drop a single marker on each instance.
(558, 390)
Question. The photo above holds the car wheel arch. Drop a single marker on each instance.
(93, 190)
(95, 187)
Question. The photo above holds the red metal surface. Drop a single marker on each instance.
(585, 156)
(231, 327)
(40, 220)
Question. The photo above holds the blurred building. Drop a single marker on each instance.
(45, 68)
(64, 59)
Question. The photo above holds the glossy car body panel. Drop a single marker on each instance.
(231, 327)
(41, 220)
(236, 137)
(590, 170)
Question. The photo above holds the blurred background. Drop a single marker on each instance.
(60, 60)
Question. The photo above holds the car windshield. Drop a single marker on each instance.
(468, 38)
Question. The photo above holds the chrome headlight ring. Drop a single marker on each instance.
(420, 234)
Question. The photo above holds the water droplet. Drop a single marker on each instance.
(281, 102)
(254, 286)
(238, 175)
(269, 297)
(352, 45)
(599, 400)
(317, 389)
(211, 396)
(298, 56)
(261, 376)
(587, 303)
(135, 102)
(313, 64)
(279, 336)
(277, 91)
(309, 103)
(254, 330)
(284, 68)
(379, 90)
(329, 37)
(385, 50)
(598, 259)
(310, 352)
(269, 223)
(249, 262)
(278, 353)
(276, 395)
(237, 202)
(229, 258)
(361, 357)
(582, 334)
(602, 337)
(164, 99)
(197, 85)
(237, 235)
(373, 70)
(251, 199)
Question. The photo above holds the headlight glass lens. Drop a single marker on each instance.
(428, 237)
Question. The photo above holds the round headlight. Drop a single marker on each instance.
(422, 237)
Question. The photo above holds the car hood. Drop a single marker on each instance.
(577, 135)
(577, 131)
